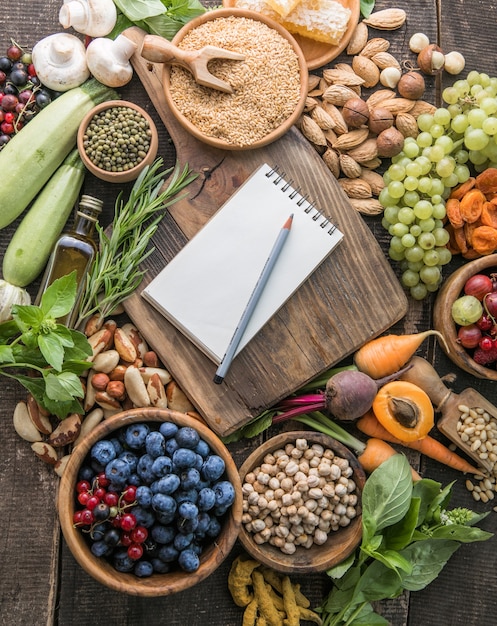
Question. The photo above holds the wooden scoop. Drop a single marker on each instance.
(447, 402)
(160, 50)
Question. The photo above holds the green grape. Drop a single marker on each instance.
(450, 181)
(424, 163)
(424, 184)
(410, 183)
(419, 291)
(408, 240)
(484, 79)
(426, 240)
(427, 225)
(396, 244)
(455, 109)
(396, 172)
(414, 254)
(432, 288)
(413, 169)
(415, 230)
(442, 116)
(446, 142)
(425, 121)
(439, 211)
(444, 255)
(459, 123)
(423, 209)
(437, 130)
(430, 275)
(411, 148)
(385, 199)
(415, 266)
(404, 161)
(409, 278)
(441, 236)
(395, 255)
(461, 156)
(431, 258)
(406, 215)
(386, 178)
(477, 157)
(475, 90)
(399, 230)
(475, 138)
(437, 187)
(410, 198)
(446, 166)
(436, 199)
(436, 153)
(462, 172)
(450, 95)
(489, 105)
(424, 139)
(462, 86)
(476, 117)
(395, 189)
(391, 214)
(491, 151)
(481, 167)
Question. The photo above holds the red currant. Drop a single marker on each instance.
(485, 322)
(129, 494)
(111, 498)
(102, 480)
(83, 497)
(128, 521)
(76, 518)
(83, 485)
(87, 517)
(99, 492)
(14, 52)
(9, 117)
(116, 519)
(31, 70)
(135, 551)
(126, 539)
(92, 502)
(486, 343)
(139, 534)
(7, 128)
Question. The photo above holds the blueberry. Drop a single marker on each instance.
(162, 534)
(86, 473)
(182, 541)
(101, 512)
(204, 519)
(168, 553)
(100, 548)
(187, 437)
(144, 468)
(163, 503)
(190, 478)
(144, 496)
(135, 480)
(225, 493)
(206, 499)
(214, 528)
(165, 518)
(135, 435)
(197, 548)
(213, 468)
(159, 566)
(155, 444)
(112, 537)
(130, 458)
(162, 465)
(117, 471)
(117, 445)
(103, 452)
(183, 458)
(187, 526)
(143, 569)
(122, 562)
(182, 495)
(203, 449)
(168, 429)
(188, 510)
(171, 446)
(189, 561)
(144, 517)
(98, 532)
(167, 484)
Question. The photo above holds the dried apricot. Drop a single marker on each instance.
(458, 192)
(485, 240)
(489, 214)
(471, 205)
(486, 181)
(453, 211)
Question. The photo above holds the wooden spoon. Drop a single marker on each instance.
(424, 375)
(160, 50)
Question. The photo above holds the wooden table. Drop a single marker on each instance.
(40, 583)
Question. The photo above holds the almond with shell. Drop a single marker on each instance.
(343, 77)
(349, 167)
(398, 105)
(384, 60)
(332, 161)
(374, 180)
(375, 46)
(386, 19)
(322, 118)
(421, 106)
(365, 152)
(340, 127)
(358, 39)
(338, 94)
(367, 70)
(350, 140)
(355, 188)
(406, 123)
(378, 96)
(367, 206)
(311, 130)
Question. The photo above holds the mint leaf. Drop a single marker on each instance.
(58, 299)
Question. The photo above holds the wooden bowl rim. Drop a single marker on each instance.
(274, 134)
(442, 317)
(317, 558)
(133, 173)
(318, 53)
(157, 584)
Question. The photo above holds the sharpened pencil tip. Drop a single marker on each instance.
(288, 223)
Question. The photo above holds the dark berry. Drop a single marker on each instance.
(187, 437)
(189, 561)
(213, 467)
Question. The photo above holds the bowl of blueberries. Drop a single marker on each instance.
(150, 502)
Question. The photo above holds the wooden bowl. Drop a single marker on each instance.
(277, 132)
(128, 175)
(442, 318)
(317, 53)
(340, 543)
(157, 584)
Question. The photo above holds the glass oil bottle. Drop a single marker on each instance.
(74, 250)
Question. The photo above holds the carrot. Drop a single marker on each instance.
(377, 451)
(370, 426)
(387, 354)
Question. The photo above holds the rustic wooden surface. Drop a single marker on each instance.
(40, 583)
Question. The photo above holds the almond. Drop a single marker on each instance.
(364, 152)
(331, 159)
(374, 180)
(367, 206)
(406, 123)
(322, 118)
(338, 94)
(313, 82)
(374, 46)
(334, 112)
(358, 39)
(385, 59)
(398, 105)
(355, 188)
(387, 19)
(350, 168)
(312, 131)
(379, 96)
(351, 139)
(367, 70)
(343, 77)
(421, 106)
(371, 164)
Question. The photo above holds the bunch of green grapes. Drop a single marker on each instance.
(451, 142)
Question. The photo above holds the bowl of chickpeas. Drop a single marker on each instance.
(301, 502)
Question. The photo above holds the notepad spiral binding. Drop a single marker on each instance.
(302, 200)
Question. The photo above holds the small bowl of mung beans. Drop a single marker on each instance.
(116, 140)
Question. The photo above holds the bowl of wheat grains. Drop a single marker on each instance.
(269, 86)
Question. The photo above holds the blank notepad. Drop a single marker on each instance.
(205, 288)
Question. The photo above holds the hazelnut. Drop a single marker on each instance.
(99, 381)
(380, 119)
(431, 60)
(355, 112)
(411, 86)
(390, 142)
(454, 62)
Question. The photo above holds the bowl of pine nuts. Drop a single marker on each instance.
(301, 502)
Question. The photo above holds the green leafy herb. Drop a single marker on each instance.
(408, 537)
(115, 272)
(159, 17)
(52, 355)
(367, 7)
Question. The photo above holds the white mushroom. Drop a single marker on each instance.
(60, 61)
(95, 18)
(108, 60)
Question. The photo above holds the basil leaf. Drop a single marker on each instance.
(27, 316)
(136, 10)
(367, 7)
(399, 535)
(387, 493)
(62, 409)
(378, 582)
(428, 558)
(52, 349)
(63, 387)
(426, 490)
(58, 299)
(458, 532)
(6, 354)
(8, 330)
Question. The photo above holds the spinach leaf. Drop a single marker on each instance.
(428, 558)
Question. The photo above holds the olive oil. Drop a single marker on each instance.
(74, 250)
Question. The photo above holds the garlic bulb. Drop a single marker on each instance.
(9, 296)
(95, 18)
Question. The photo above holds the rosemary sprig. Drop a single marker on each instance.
(115, 272)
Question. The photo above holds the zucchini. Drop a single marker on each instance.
(29, 159)
(30, 247)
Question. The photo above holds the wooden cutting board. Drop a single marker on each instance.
(352, 297)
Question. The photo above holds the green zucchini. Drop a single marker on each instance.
(29, 159)
(30, 247)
